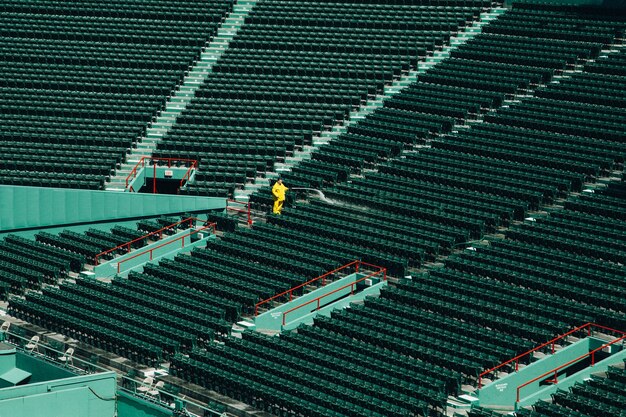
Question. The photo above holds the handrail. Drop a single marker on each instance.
(191, 233)
(290, 291)
(549, 342)
(351, 285)
(160, 232)
(142, 163)
(555, 370)
(247, 210)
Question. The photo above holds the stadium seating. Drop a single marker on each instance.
(296, 68)
(80, 83)
(457, 160)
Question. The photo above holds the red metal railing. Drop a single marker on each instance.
(127, 245)
(239, 210)
(151, 250)
(548, 343)
(356, 264)
(581, 357)
(381, 270)
(142, 163)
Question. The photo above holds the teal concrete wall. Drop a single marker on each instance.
(41, 371)
(160, 250)
(79, 396)
(503, 392)
(373, 291)
(37, 207)
(129, 406)
(273, 319)
(565, 383)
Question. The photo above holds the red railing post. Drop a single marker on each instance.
(154, 178)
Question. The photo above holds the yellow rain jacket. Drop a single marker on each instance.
(278, 190)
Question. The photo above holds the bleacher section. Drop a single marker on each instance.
(477, 171)
(485, 158)
(80, 82)
(294, 69)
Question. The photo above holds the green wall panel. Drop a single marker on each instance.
(79, 396)
(37, 207)
(128, 406)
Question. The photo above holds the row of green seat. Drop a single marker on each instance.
(134, 54)
(261, 65)
(96, 334)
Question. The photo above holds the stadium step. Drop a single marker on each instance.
(185, 92)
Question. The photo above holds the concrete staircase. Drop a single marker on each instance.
(464, 35)
(177, 103)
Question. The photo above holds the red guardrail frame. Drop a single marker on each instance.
(238, 210)
(142, 163)
(159, 232)
(193, 232)
(351, 285)
(322, 277)
(551, 342)
(558, 368)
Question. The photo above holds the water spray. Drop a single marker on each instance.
(327, 200)
(319, 193)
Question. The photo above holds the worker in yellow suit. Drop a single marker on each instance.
(278, 191)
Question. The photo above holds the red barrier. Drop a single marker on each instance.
(550, 342)
(322, 277)
(351, 285)
(127, 245)
(142, 163)
(238, 210)
(565, 365)
(191, 233)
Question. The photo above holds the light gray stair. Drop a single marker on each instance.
(185, 92)
(464, 35)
